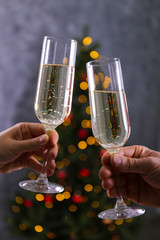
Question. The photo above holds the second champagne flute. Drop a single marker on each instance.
(110, 120)
(53, 96)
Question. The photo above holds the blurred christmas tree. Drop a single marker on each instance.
(73, 213)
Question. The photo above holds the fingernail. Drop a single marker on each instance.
(43, 138)
(117, 160)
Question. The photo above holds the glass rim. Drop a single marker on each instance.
(103, 61)
(62, 39)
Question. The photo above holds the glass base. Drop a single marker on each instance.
(129, 212)
(35, 186)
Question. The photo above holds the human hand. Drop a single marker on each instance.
(134, 173)
(22, 143)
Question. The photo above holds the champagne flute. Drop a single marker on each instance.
(53, 96)
(110, 120)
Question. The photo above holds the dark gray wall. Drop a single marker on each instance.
(126, 29)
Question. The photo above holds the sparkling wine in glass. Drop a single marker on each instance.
(110, 120)
(53, 96)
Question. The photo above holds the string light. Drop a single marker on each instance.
(87, 41)
(97, 189)
(39, 197)
(83, 157)
(66, 162)
(115, 237)
(48, 205)
(71, 149)
(129, 220)
(72, 208)
(88, 187)
(68, 189)
(91, 140)
(22, 226)
(82, 98)
(90, 214)
(88, 111)
(66, 195)
(15, 209)
(82, 145)
(19, 200)
(95, 204)
(60, 197)
(119, 221)
(65, 61)
(111, 227)
(59, 165)
(86, 123)
(32, 176)
(51, 235)
(94, 54)
(38, 228)
(83, 85)
(67, 122)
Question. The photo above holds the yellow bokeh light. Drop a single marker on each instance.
(32, 176)
(48, 204)
(88, 187)
(15, 209)
(22, 226)
(68, 189)
(127, 201)
(66, 162)
(72, 208)
(94, 54)
(82, 98)
(59, 164)
(67, 122)
(95, 204)
(129, 220)
(90, 214)
(82, 145)
(86, 123)
(66, 195)
(119, 221)
(38, 228)
(51, 235)
(88, 111)
(60, 197)
(83, 157)
(87, 41)
(19, 200)
(91, 140)
(71, 148)
(65, 61)
(111, 227)
(83, 85)
(106, 82)
(39, 197)
(101, 76)
(97, 189)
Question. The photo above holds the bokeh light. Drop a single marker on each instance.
(88, 187)
(87, 41)
(39, 197)
(83, 85)
(38, 228)
(94, 54)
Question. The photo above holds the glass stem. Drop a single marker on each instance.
(42, 179)
(120, 204)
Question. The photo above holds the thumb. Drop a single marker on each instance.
(33, 144)
(130, 165)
